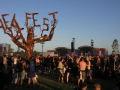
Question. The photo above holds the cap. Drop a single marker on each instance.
(98, 85)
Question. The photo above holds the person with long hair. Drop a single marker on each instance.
(75, 68)
(69, 67)
(60, 67)
(31, 72)
(88, 70)
(37, 62)
(98, 63)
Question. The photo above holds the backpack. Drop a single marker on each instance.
(32, 66)
(19, 67)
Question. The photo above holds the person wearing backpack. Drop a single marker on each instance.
(21, 71)
(31, 72)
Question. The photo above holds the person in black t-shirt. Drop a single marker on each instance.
(69, 67)
(112, 61)
(102, 62)
(108, 61)
(21, 71)
(9, 61)
(52, 65)
(45, 63)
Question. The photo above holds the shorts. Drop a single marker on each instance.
(60, 70)
(5, 65)
(83, 75)
(31, 74)
(21, 75)
(68, 70)
(91, 71)
(88, 73)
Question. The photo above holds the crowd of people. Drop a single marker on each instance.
(70, 68)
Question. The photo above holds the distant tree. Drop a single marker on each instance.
(22, 52)
(118, 51)
(36, 53)
(115, 47)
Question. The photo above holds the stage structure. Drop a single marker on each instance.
(62, 51)
(100, 51)
(51, 51)
(27, 45)
(92, 51)
(87, 50)
(75, 53)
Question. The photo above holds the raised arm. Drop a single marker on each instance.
(70, 57)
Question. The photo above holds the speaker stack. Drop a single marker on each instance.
(72, 46)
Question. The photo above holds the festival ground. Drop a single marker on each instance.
(48, 81)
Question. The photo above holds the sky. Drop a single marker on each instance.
(80, 19)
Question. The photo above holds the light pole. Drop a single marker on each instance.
(93, 51)
(92, 43)
(42, 42)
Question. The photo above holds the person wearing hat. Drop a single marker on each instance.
(97, 86)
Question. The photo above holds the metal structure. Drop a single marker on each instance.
(92, 43)
(27, 45)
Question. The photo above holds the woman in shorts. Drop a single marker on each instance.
(60, 67)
